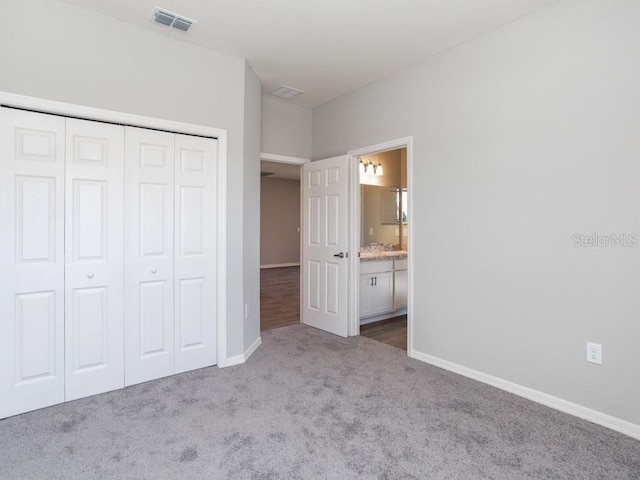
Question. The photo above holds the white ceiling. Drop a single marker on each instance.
(325, 48)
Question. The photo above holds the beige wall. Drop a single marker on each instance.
(279, 221)
(372, 192)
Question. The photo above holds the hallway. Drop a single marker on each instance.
(279, 297)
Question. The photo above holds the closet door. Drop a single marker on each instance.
(94, 350)
(195, 252)
(149, 193)
(31, 261)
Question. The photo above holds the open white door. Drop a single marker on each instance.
(325, 241)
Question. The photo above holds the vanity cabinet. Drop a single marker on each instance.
(401, 284)
(379, 293)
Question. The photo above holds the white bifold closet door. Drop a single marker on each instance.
(170, 246)
(149, 338)
(31, 261)
(194, 243)
(94, 327)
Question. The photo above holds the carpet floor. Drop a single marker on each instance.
(311, 405)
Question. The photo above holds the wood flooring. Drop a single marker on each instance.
(280, 306)
(279, 297)
(392, 331)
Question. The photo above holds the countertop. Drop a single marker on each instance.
(372, 256)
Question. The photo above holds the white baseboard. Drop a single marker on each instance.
(574, 409)
(280, 265)
(232, 361)
(383, 316)
(242, 358)
(254, 346)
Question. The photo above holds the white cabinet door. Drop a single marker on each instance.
(149, 196)
(94, 258)
(376, 294)
(382, 293)
(31, 261)
(195, 252)
(401, 280)
(366, 291)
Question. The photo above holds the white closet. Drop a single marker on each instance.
(170, 254)
(108, 241)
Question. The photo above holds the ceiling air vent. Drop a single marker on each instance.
(164, 17)
(286, 92)
(182, 24)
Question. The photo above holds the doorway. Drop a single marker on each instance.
(381, 234)
(333, 170)
(383, 246)
(279, 244)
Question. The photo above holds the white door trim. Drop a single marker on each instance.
(91, 113)
(354, 262)
(273, 157)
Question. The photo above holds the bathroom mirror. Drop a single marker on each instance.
(382, 209)
(393, 201)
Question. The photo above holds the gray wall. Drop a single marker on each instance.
(522, 137)
(57, 51)
(286, 128)
(279, 221)
(251, 210)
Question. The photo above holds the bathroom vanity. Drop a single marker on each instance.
(383, 285)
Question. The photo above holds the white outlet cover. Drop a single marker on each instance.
(594, 353)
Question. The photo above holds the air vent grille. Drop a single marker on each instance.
(286, 92)
(164, 17)
(182, 24)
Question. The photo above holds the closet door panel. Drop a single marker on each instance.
(31, 261)
(195, 250)
(149, 234)
(94, 326)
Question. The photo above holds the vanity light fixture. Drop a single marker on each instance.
(365, 166)
(362, 167)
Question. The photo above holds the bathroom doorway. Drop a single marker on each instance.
(383, 243)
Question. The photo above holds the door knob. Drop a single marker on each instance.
(90, 275)
(154, 270)
(339, 255)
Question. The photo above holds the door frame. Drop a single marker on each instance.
(90, 113)
(354, 247)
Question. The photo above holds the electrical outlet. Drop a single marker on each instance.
(594, 353)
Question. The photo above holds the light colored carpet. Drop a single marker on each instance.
(311, 405)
